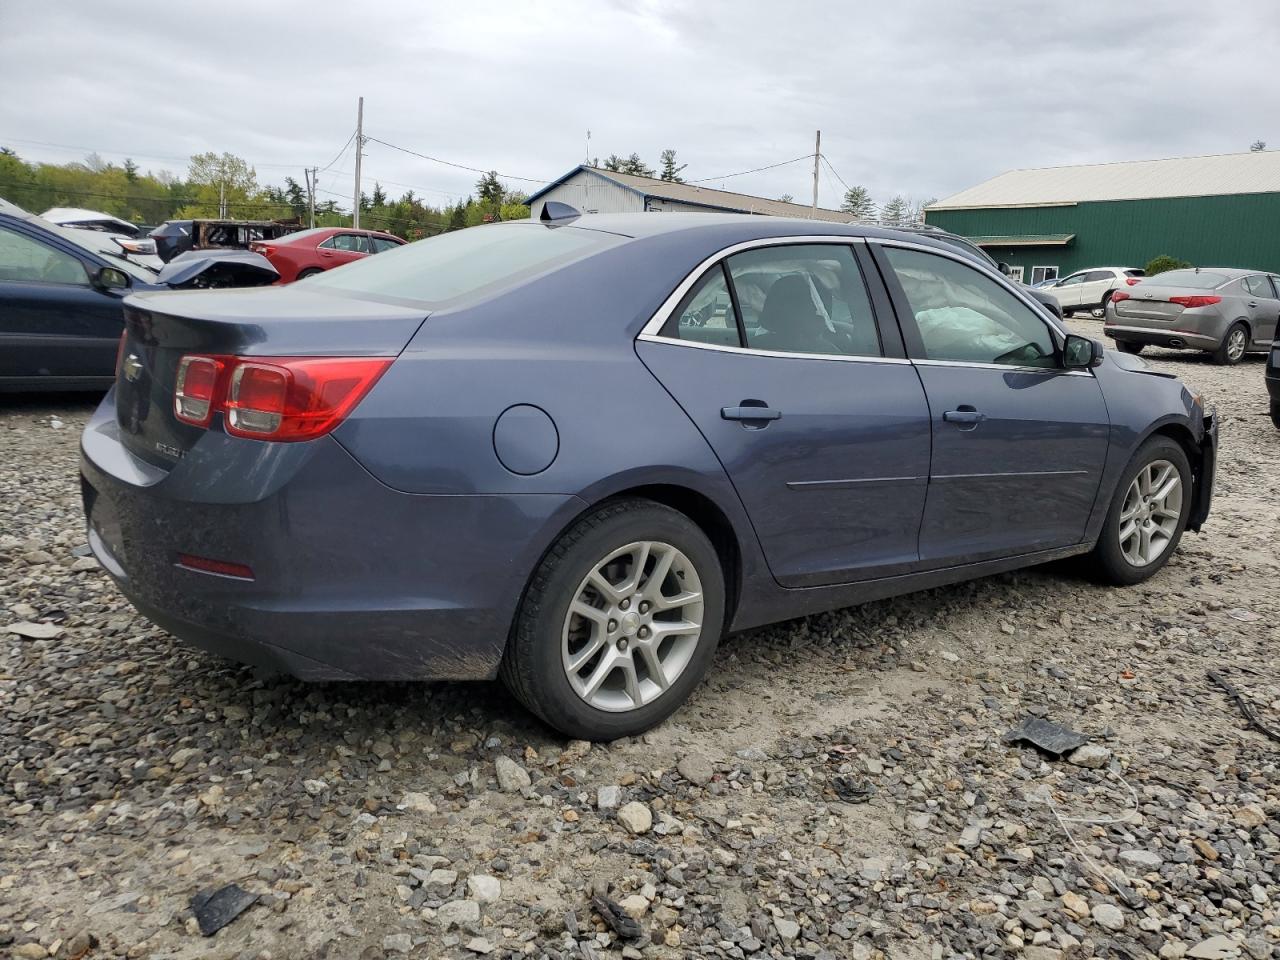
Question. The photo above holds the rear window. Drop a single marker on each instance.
(1135, 273)
(464, 262)
(1190, 278)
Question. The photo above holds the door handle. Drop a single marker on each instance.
(749, 412)
(1253, 303)
(966, 416)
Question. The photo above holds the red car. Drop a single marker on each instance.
(298, 255)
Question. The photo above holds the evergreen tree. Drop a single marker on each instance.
(1257, 146)
(670, 172)
(896, 212)
(489, 188)
(130, 170)
(858, 203)
(379, 197)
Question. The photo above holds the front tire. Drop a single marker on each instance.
(1234, 345)
(619, 623)
(309, 272)
(1275, 413)
(1148, 513)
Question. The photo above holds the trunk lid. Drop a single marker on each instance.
(161, 328)
(1150, 301)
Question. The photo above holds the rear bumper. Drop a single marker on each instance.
(351, 579)
(1205, 473)
(1160, 336)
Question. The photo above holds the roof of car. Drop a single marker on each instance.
(749, 227)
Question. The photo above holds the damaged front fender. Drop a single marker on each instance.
(215, 269)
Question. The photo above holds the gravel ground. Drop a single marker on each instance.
(838, 787)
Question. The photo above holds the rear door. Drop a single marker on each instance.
(1264, 307)
(779, 357)
(1019, 443)
(342, 248)
(53, 322)
(1094, 287)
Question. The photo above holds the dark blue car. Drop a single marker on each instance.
(576, 453)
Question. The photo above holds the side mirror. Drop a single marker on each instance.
(109, 278)
(1004, 268)
(1081, 353)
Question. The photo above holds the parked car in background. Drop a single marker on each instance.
(532, 449)
(91, 220)
(308, 252)
(60, 300)
(1223, 311)
(174, 237)
(1091, 289)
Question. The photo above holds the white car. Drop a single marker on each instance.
(104, 232)
(1091, 289)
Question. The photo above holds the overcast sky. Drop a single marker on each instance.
(913, 97)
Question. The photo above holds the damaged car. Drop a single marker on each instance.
(60, 298)
(576, 452)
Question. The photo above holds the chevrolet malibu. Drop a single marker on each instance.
(576, 452)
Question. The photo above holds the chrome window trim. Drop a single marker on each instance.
(1008, 368)
(694, 344)
(663, 313)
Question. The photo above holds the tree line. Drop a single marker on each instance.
(214, 182)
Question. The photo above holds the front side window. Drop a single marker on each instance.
(26, 260)
(804, 298)
(964, 316)
(1072, 280)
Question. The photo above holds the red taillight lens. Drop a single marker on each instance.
(1133, 281)
(193, 397)
(1196, 301)
(282, 398)
(1118, 296)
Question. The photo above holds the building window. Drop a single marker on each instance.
(1039, 274)
(1015, 273)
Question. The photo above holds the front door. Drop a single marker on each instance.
(1069, 291)
(776, 356)
(1019, 443)
(53, 322)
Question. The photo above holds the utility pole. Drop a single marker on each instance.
(817, 157)
(355, 210)
(222, 200)
(311, 174)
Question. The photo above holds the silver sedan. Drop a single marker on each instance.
(1223, 311)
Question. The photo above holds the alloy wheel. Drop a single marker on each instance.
(1150, 514)
(632, 626)
(1236, 343)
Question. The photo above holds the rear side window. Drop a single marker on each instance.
(804, 298)
(1135, 273)
(1201, 279)
(966, 317)
(706, 315)
(464, 262)
(382, 245)
(1098, 275)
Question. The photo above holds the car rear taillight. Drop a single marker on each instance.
(1118, 296)
(276, 398)
(262, 248)
(1133, 281)
(193, 396)
(1195, 301)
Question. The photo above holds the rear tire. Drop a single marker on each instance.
(640, 671)
(1128, 346)
(1234, 345)
(1275, 413)
(1100, 311)
(1119, 556)
(309, 272)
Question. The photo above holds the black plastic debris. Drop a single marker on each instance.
(616, 918)
(852, 791)
(214, 909)
(1046, 735)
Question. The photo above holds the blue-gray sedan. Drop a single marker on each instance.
(575, 453)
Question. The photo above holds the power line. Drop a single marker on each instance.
(171, 199)
(128, 154)
(834, 174)
(341, 153)
(743, 173)
(450, 163)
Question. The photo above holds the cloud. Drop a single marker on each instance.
(915, 97)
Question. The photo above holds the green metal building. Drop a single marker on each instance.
(1221, 211)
